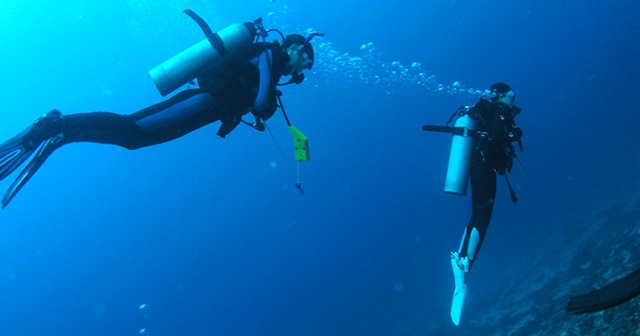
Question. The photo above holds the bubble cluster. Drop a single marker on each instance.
(370, 67)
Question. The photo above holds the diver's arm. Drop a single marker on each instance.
(264, 106)
(264, 89)
(502, 129)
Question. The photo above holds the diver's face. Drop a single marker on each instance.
(508, 98)
(298, 60)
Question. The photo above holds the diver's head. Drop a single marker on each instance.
(300, 54)
(501, 93)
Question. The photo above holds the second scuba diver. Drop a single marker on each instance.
(492, 154)
(481, 149)
(241, 81)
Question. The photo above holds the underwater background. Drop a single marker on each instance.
(204, 236)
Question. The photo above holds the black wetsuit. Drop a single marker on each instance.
(493, 153)
(226, 93)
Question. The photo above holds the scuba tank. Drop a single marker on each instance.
(457, 179)
(187, 65)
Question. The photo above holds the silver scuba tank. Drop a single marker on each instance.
(457, 180)
(187, 65)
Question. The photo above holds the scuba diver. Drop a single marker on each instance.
(482, 147)
(611, 295)
(492, 154)
(237, 73)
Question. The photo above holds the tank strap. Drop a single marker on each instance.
(214, 39)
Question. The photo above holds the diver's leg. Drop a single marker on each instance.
(183, 113)
(162, 122)
(168, 120)
(483, 192)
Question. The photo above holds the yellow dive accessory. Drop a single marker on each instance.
(300, 144)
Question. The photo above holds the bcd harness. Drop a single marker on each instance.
(484, 138)
(301, 142)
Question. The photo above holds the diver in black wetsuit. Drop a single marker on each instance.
(481, 148)
(492, 154)
(245, 82)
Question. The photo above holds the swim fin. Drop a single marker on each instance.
(43, 137)
(14, 152)
(460, 268)
(611, 295)
(44, 150)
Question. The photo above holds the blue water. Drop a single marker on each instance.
(211, 235)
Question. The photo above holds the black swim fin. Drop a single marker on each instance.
(44, 150)
(41, 138)
(611, 295)
(14, 152)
